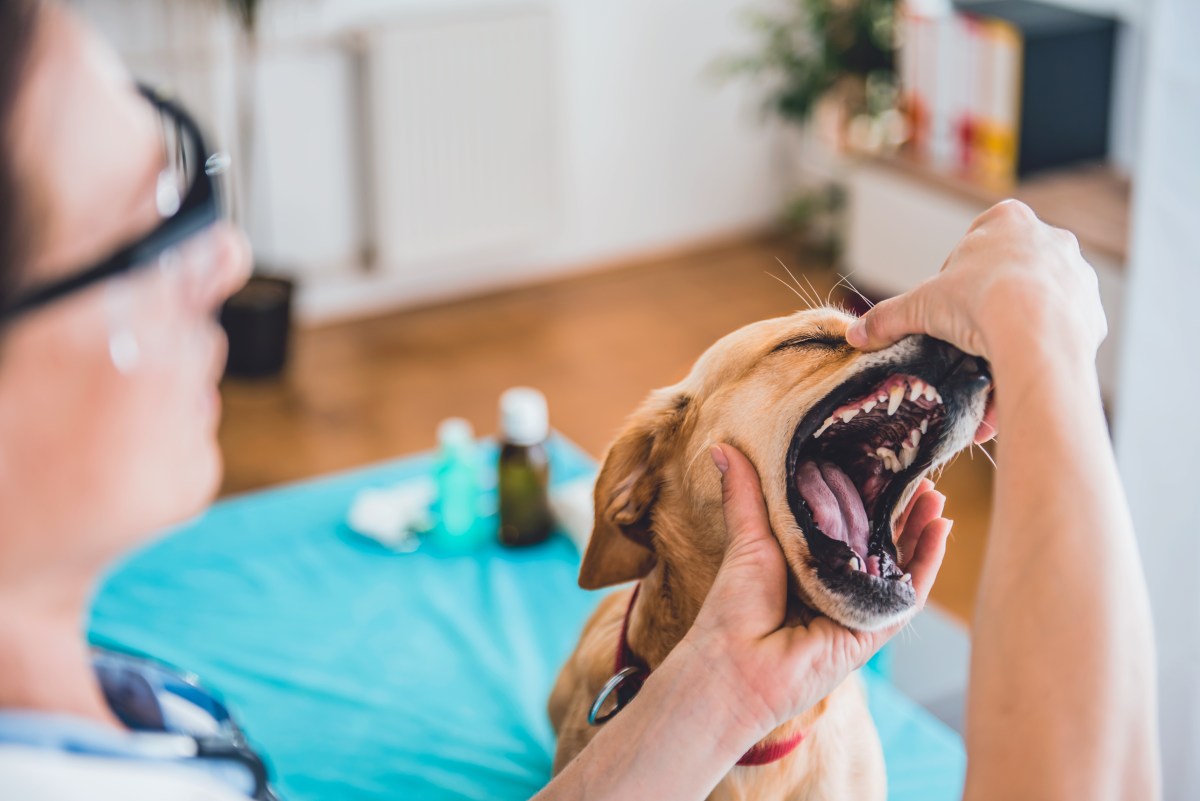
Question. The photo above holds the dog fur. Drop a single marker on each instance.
(659, 519)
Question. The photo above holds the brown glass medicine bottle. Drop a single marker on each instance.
(524, 477)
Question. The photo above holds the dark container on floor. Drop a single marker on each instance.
(258, 321)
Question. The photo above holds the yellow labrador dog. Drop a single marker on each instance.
(840, 439)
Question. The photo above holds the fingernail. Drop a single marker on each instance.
(856, 334)
(718, 457)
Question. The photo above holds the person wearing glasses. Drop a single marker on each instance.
(115, 256)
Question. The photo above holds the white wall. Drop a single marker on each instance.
(1157, 432)
(652, 153)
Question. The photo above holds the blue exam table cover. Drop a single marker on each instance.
(367, 674)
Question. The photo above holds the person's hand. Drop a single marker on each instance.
(1012, 285)
(777, 672)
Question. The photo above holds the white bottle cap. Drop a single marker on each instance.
(455, 431)
(524, 419)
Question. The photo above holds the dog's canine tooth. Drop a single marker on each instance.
(918, 389)
(869, 405)
(828, 422)
(848, 415)
(897, 397)
(855, 564)
(925, 426)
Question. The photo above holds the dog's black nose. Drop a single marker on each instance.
(970, 370)
(960, 367)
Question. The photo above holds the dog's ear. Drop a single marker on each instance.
(622, 546)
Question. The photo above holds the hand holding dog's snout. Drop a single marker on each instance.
(1012, 285)
(741, 627)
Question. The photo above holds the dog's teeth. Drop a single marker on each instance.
(881, 397)
(918, 389)
(897, 396)
(925, 426)
(869, 405)
(889, 459)
(931, 393)
(906, 578)
(855, 564)
(908, 455)
(937, 396)
(828, 422)
(849, 415)
(915, 436)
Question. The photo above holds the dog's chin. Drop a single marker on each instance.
(854, 602)
(854, 463)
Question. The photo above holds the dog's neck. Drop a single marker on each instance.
(675, 588)
(663, 614)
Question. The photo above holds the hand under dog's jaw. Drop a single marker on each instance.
(854, 461)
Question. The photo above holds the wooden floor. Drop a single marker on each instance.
(375, 389)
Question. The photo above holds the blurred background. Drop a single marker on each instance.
(450, 198)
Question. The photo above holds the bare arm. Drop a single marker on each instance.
(1062, 693)
(1062, 683)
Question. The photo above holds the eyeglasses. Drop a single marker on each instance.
(189, 196)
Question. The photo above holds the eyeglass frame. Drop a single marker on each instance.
(201, 207)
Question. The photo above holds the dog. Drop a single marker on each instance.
(840, 439)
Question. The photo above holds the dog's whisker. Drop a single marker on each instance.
(846, 282)
(813, 288)
(832, 289)
(986, 455)
(791, 288)
(790, 273)
(687, 471)
(814, 301)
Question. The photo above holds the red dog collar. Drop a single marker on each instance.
(631, 672)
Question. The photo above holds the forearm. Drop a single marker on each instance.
(674, 741)
(1062, 700)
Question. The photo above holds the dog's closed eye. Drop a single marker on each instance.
(812, 339)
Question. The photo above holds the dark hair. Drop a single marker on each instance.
(17, 19)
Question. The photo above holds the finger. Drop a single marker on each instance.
(889, 321)
(930, 551)
(750, 588)
(925, 510)
(833, 649)
(925, 486)
(745, 511)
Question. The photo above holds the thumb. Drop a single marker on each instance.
(888, 321)
(751, 584)
(746, 519)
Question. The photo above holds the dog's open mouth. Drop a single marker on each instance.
(852, 459)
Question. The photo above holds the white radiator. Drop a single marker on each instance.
(460, 136)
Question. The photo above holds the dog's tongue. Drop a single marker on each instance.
(835, 504)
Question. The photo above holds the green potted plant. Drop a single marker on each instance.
(831, 58)
(258, 318)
